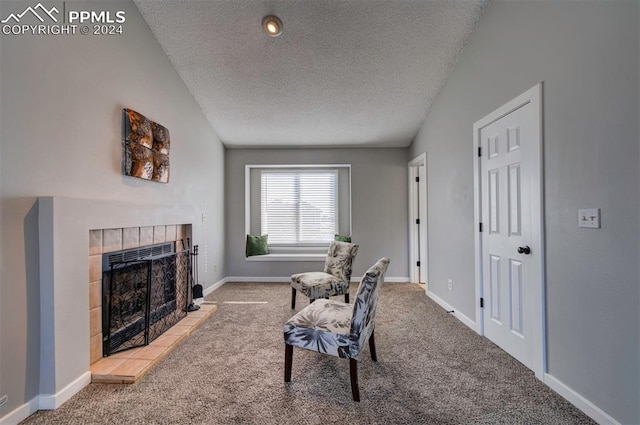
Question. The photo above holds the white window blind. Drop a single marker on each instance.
(299, 206)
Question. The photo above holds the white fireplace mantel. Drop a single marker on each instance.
(63, 236)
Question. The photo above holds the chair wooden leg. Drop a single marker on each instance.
(293, 298)
(346, 298)
(372, 347)
(288, 362)
(353, 368)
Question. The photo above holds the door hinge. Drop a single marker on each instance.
(418, 263)
(479, 151)
(481, 302)
(417, 179)
(480, 227)
(417, 221)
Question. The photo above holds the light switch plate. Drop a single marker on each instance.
(589, 218)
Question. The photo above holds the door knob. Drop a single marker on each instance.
(524, 250)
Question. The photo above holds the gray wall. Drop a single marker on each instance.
(378, 205)
(60, 136)
(587, 54)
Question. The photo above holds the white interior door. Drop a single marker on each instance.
(422, 217)
(511, 238)
(417, 224)
(418, 220)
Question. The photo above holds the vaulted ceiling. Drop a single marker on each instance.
(342, 73)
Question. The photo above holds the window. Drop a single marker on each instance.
(299, 207)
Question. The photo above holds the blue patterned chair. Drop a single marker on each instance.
(335, 278)
(336, 328)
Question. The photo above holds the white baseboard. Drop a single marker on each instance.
(393, 279)
(46, 401)
(397, 279)
(53, 401)
(258, 279)
(590, 409)
(213, 287)
(464, 319)
(288, 279)
(20, 413)
(387, 279)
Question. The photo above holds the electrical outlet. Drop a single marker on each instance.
(3, 400)
(450, 284)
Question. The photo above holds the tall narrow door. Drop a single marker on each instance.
(418, 258)
(511, 252)
(416, 226)
(421, 226)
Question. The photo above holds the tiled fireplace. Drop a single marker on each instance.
(102, 241)
(72, 235)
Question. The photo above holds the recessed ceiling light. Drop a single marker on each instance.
(272, 25)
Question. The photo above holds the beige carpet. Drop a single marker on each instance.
(431, 370)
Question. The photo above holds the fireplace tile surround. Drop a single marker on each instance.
(102, 241)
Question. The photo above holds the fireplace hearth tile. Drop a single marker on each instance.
(126, 354)
(206, 307)
(105, 366)
(189, 321)
(178, 329)
(131, 367)
(149, 352)
(165, 340)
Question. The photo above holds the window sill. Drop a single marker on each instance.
(287, 257)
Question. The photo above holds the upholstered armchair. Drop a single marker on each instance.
(335, 278)
(336, 328)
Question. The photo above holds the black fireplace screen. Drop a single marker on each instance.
(142, 298)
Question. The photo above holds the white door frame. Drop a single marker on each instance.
(533, 96)
(419, 200)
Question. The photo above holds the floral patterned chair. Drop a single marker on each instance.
(333, 281)
(336, 328)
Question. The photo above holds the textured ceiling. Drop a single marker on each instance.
(343, 73)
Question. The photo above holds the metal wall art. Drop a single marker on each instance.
(146, 147)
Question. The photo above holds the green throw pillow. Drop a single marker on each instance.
(341, 238)
(256, 245)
